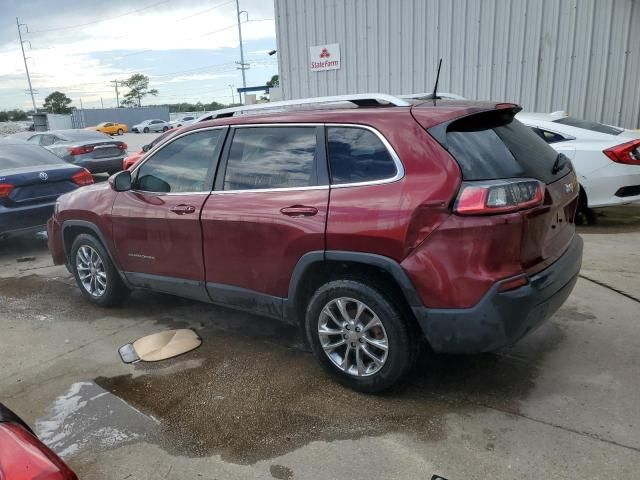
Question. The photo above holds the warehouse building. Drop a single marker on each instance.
(582, 56)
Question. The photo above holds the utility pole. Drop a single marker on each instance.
(101, 102)
(243, 66)
(26, 68)
(81, 107)
(115, 84)
(233, 98)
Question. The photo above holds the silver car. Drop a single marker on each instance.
(95, 151)
(151, 126)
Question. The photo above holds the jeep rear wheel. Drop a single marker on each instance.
(359, 336)
(95, 274)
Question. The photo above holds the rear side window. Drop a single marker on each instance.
(357, 155)
(593, 126)
(271, 157)
(493, 145)
(180, 166)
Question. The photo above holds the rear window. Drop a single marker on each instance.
(18, 156)
(82, 135)
(493, 145)
(587, 125)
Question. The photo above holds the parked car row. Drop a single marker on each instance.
(95, 151)
(374, 230)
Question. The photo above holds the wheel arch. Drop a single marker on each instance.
(315, 268)
(72, 228)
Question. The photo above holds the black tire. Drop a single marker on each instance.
(115, 291)
(584, 214)
(165, 128)
(120, 131)
(402, 338)
(146, 130)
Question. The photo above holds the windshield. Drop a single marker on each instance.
(587, 125)
(492, 145)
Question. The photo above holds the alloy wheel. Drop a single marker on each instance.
(91, 271)
(353, 337)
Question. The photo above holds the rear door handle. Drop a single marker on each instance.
(183, 209)
(299, 211)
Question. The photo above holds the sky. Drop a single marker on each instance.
(187, 48)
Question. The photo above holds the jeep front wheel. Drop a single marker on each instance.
(359, 336)
(95, 274)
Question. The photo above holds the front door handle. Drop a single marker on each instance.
(183, 209)
(299, 211)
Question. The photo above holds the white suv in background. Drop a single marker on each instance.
(606, 158)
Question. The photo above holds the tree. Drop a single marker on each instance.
(57, 102)
(138, 85)
(274, 82)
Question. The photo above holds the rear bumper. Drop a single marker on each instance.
(24, 220)
(502, 318)
(102, 165)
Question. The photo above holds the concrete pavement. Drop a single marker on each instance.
(251, 403)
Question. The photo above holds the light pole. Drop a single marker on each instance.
(233, 98)
(26, 68)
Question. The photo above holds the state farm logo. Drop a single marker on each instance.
(324, 57)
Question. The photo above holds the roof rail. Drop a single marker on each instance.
(360, 99)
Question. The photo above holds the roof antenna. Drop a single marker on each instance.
(435, 87)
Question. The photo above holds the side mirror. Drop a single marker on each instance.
(121, 181)
(146, 148)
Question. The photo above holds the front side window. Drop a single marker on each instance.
(357, 155)
(180, 166)
(271, 157)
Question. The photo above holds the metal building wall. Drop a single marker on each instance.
(130, 116)
(582, 56)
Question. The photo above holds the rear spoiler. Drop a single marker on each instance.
(500, 114)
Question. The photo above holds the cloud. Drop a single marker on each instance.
(83, 60)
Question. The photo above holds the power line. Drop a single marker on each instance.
(204, 11)
(101, 20)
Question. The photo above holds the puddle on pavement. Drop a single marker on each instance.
(87, 417)
(251, 393)
(251, 401)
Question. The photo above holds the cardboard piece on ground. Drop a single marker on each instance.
(160, 346)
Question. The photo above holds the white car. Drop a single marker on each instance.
(182, 121)
(606, 158)
(151, 126)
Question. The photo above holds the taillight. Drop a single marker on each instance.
(81, 150)
(24, 457)
(5, 189)
(498, 196)
(121, 145)
(82, 178)
(628, 153)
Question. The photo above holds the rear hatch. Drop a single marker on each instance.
(492, 145)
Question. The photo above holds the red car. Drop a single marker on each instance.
(132, 159)
(372, 228)
(23, 456)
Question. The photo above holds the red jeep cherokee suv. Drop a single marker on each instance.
(370, 227)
